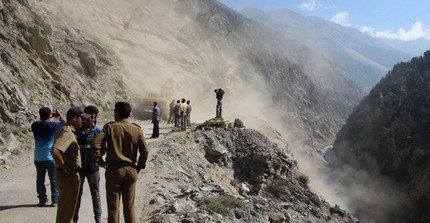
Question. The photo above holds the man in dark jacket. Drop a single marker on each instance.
(89, 169)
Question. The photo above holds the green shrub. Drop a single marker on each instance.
(279, 188)
(222, 204)
(234, 182)
(303, 180)
(27, 82)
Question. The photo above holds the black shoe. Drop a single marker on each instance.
(42, 203)
(54, 204)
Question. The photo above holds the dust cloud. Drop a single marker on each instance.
(156, 43)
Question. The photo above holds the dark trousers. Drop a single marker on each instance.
(41, 168)
(93, 182)
(177, 119)
(219, 108)
(68, 185)
(121, 182)
(156, 129)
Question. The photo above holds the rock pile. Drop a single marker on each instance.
(230, 175)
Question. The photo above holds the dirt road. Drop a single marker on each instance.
(18, 198)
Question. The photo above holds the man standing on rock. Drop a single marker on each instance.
(219, 95)
(183, 108)
(68, 160)
(124, 140)
(44, 132)
(156, 117)
(89, 169)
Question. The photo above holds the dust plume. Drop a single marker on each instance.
(157, 43)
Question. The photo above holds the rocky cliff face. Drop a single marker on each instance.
(45, 62)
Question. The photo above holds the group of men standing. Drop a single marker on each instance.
(180, 114)
(77, 146)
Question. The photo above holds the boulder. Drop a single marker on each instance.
(238, 123)
(88, 61)
(276, 217)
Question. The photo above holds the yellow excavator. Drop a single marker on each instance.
(143, 107)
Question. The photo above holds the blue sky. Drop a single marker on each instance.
(392, 19)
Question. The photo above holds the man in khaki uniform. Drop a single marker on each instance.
(68, 161)
(124, 140)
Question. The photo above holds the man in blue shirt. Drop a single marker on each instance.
(44, 132)
(156, 117)
(89, 169)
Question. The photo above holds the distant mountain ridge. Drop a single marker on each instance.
(360, 57)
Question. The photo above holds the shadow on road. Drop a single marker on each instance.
(6, 207)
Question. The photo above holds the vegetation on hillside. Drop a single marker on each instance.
(389, 131)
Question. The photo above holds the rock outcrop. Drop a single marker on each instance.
(253, 180)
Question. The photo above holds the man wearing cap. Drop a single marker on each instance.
(124, 140)
(65, 152)
(89, 169)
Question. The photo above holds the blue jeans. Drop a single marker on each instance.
(93, 182)
(41, 168)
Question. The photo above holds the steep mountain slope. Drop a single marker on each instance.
(388, 133)
(50, 64)
(329, 48)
